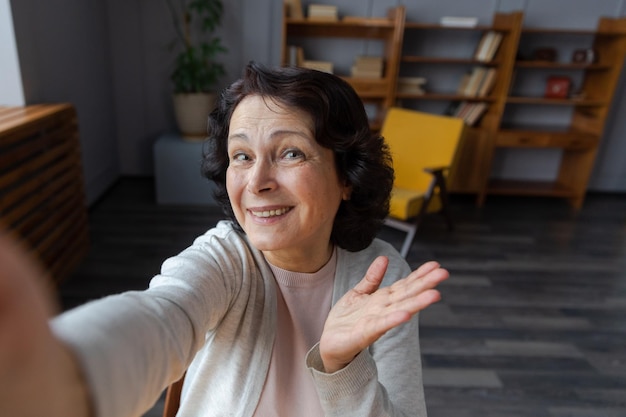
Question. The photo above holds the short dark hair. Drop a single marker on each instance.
(340, 121)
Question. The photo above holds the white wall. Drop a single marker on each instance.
(11, 93)
(65, 57)
(111, 60)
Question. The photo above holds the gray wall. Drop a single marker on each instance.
(110, 59)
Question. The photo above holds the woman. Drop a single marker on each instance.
(290, 308)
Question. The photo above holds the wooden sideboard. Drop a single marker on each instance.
(42, 196)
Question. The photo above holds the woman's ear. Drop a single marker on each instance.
(347, 192)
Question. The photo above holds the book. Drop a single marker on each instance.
(488, 46)
(475, 113)
(474, 81)
(411, 85)
(322, 12)
(368, 67)
(458, 21)
(487, 83)
(324, 66)
(493, 47)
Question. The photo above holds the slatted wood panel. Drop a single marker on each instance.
(42, 198)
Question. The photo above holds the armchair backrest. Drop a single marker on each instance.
(419, 140)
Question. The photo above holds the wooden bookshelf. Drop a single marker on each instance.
(389, 30)
(577, 139)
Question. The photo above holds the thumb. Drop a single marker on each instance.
(373, 277)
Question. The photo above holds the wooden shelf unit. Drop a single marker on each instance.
(380, 92)
(578, 139)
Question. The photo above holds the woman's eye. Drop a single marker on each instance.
(240, 157)
(293, 154)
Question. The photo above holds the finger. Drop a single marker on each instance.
(425, 268)
(373, 276)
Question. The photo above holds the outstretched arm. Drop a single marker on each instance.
(367, 312)
(38, 374)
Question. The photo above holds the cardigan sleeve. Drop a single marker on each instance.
(132, 345)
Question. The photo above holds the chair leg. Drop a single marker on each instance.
(172, 398)
(408, 240)
(445, 202)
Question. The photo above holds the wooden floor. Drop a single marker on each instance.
(532, 321)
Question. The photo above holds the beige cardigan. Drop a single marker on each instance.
(211, 311)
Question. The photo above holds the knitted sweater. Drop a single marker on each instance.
(212, 311)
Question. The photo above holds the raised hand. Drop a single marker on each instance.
(38, 375)
(367, 312)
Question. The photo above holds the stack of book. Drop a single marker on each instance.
(477, 83)
(367, 67)
(411, 85)
(322, 12)
(488, 46)
(469, 112)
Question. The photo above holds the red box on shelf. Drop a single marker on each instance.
(558, 87)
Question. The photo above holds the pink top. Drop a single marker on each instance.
(304, 301)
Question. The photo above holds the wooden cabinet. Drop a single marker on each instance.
(406, 54)
(42, 197)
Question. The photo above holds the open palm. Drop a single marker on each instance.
(367, 312)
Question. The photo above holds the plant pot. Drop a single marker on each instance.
(192, 113)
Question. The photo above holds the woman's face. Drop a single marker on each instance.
(283, 186)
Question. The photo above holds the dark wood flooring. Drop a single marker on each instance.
(532, 321)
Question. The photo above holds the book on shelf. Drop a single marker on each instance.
(294, 9)
(488, 46)
(322, 12)
(470, 112)
(324, 66)
(368, 67)
(459, 21)
(477, 83)
(474, 80)
(487, 83)
(411, 85)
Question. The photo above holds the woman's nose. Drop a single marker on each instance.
(262, 176)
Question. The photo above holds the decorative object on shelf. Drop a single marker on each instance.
(459, 21)
(545, 54)
(585, 56)
(558, 87)
(196, 71)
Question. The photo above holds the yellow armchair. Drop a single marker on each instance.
(423, 147)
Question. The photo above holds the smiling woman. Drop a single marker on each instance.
(292, 304)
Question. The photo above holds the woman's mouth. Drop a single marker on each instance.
(270, 213)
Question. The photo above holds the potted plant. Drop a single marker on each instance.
(196, 70)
